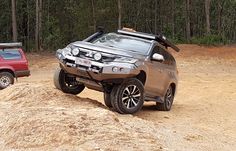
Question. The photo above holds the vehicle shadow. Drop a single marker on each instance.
(149, 112)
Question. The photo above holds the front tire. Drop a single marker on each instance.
(168, 101)
(66, 83)
(128, 97)
(107, 99)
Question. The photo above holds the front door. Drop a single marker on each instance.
(158, 75)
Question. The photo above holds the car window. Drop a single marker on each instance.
(127, 43)
(168, 58)
(10, 54)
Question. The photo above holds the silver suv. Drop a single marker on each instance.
(129, 67)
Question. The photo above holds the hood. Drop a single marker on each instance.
(109, 50)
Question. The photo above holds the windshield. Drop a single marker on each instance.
(133, 44)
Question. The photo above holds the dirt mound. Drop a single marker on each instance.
(40, 117)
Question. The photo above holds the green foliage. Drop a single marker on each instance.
(209, 40)
(71, 20)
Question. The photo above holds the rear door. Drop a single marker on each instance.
(14, 58)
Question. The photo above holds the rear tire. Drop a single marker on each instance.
(128, 97)
(107, 99)
(6, 79)
(66, 83)
(168, 101)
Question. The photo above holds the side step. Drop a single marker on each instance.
(155, 99)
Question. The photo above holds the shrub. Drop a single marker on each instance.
(209, 40)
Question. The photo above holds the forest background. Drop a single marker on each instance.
(51, 24)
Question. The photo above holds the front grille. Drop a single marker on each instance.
(70, 61)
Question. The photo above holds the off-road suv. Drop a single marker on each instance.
(129, 67)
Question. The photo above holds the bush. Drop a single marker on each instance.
(209, 40)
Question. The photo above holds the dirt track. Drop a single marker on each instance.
(37, 116)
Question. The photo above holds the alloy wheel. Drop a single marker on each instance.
(169, 97)
(131, 96)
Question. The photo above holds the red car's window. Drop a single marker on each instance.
(10, 54)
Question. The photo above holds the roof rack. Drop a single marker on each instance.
(10, 45)
(159, 38)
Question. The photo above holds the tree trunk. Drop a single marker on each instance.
(207, 11)
(120, 14)
(28, 27)
(220, 12)
(161, 16)
(37, 27)
(188, 36)
(14, 24)
(155, 22)
(173, 19)
(40, 24)
(94, 17)
(137, 14)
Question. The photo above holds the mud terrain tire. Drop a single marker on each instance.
(67, 84)
(107, 99)
(168, 101)
(128, 97)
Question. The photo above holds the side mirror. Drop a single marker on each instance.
(158, 57)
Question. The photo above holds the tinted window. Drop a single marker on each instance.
(10, 54)
(127, 43)
(169, 59)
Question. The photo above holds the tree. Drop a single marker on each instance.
(155, 18)
(173, 18)
(60, 22)
(94, 17)
(207, 11)
(40, 23)
(38, 26)
(220, 12)
(188, 36)
(120, 14)
(14, 24)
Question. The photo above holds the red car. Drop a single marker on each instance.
(13, 63)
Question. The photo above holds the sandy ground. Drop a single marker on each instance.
(34, 115)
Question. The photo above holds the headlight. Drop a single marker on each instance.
(75, 51)
(66, 51)
(97, 56)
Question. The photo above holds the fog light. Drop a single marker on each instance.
(97, 56)
(115, 69)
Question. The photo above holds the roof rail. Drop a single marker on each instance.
(159, 38)
(10, 45)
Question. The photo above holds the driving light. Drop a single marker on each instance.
(75, 51)
(115, 69)
(97, 56)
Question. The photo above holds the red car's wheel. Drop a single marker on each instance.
(6, 79)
